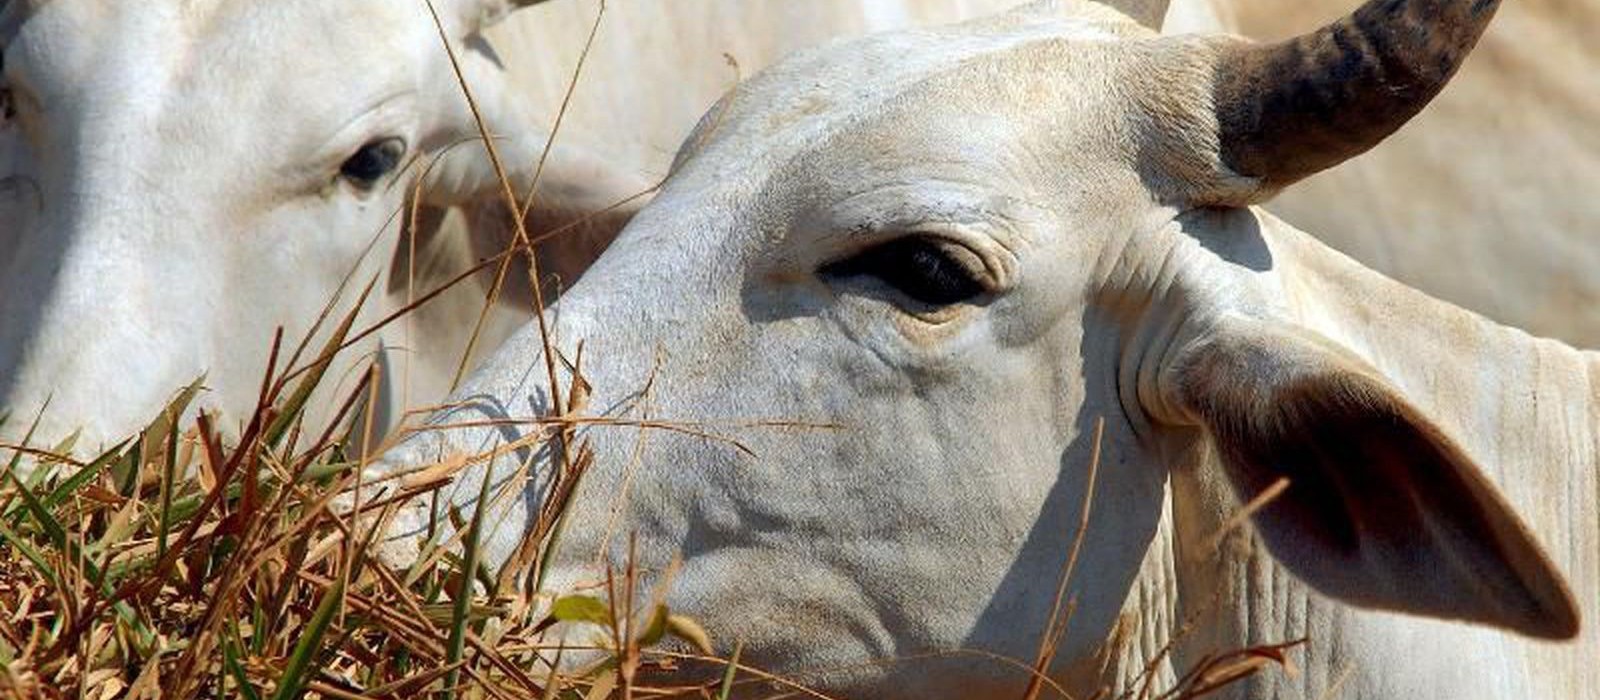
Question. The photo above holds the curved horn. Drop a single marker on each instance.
(1291, 109)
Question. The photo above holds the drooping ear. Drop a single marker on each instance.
(474, 16)
(1150, 13)
(580, 199)
(570, 177)
(500, 110)
(1382, 509)
(580, 203)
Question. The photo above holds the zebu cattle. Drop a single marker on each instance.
(910, 275)
(177, 179)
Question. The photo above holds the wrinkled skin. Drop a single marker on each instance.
(916, 469)
(170, 187)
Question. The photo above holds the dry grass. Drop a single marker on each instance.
(184, 564)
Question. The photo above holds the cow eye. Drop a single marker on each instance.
(373, 161)
(920, 267)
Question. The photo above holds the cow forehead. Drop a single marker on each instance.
(833, 87)
(979, 121)
(212, 59)
(176, 29)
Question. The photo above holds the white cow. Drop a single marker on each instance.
(177, 179)
(956, 251)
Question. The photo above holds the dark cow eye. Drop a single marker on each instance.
(373, 161)
(919, 267)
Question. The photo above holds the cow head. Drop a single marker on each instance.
(894, 285)
(179, 178)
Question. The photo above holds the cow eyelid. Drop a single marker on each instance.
(919, 266)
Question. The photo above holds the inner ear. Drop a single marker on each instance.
(1382, 508)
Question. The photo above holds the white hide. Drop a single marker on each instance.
(918, 469)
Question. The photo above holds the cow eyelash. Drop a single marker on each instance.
(920, 267)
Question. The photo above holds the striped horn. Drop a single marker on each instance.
(1291, 109)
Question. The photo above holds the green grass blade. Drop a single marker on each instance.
(57, 536)
(45, 470)
(731, 671)
(83, 476)
(27, 550)
(310, 645)
(16, 455)
(230, 661)
(582, 608)
(42, 517)
(463, 598)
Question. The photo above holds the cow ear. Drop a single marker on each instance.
(476, 15)
(1150, 13)
(570, 177)
(580, 202)
(1381, 509)
(580, 198)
